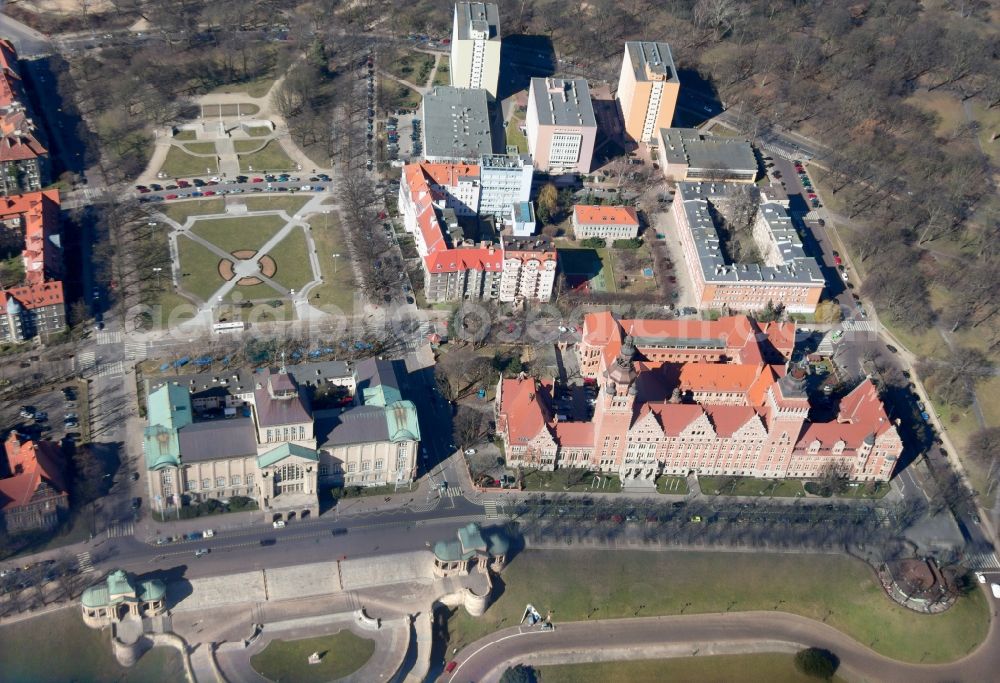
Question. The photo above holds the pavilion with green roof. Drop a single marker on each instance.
(488, 549)
(119, 596)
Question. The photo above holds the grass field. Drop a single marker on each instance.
(558, 481)
(180, 164)
(442, 76)
(839, 590)
(414, 67)
(668, 484)
(399, 96)
(257, 87)
(212, 111)
(261, 293)
(199, 269)
(243, 232)
(287, 660)
(756, 668)
(73, 652)
(270, 158)
(748, 486)
(291, 255)
(943, 104)
(200, 147)
(594, 265)
(248, 146)
(514, 134)
(179, 211)
(183, 135)
(259, 131)
(338, 285)
(277, 202)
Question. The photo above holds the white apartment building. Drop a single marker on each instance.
(529, 269)
(561, 126)
(504, 180)
(475, 46)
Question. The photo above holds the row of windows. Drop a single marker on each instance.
(220, 482)
(286, 434)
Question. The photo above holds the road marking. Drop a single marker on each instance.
(490, 506)
(115, 369)
(109, 337)
(85, 360)
(121, 529)
(520, 632)
(983, 561)
(83, 562)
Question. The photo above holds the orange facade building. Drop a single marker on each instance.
(713, 398)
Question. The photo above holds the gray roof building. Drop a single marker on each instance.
(688, 154)
(651, 61)
(794, 266)
(278, 401)
(456, 124)
(563, 102)
(218, 440)
(477, 21)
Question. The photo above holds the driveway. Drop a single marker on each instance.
(617, 639)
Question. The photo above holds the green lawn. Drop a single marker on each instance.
(291, 255)
(338, 285)
(559, 481)
(669, 484)
(199, 269)
(343, 654)
(183, 135)
(259, 131)
(270, 158)
(748, 486)
(756, 668)
(213, 111)
(257, 87)
(248, 146)
(414, 67)
(180, 164)
(242, 232)
(514, 134)
(290, 204)
(837, 589)
(262, 292)
(200, 147)
(398, 96)
(73, 652)
(179, 211)
(442, 76)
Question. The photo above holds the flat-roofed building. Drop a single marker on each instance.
(474, 61)
(561, 125)
(521, 218)
(647, 89)
(456, 124)
(785, 275)
(505, 180)
(687, 154)
(605, 222)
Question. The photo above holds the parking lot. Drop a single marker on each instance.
(48, 414)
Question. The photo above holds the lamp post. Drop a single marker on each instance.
(335, 257)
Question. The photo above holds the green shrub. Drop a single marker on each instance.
(817, 662)
(632, 243)
(593, 243)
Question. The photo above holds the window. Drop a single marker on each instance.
(190, 486)
(378, 464)
(350, 467)
(250, 483)
(270, 435)
(366, 465)
(235, 480)
(220, 482)
(323, 470)
(288, 472)
(167, 477)
(302, 432)
(206, 483)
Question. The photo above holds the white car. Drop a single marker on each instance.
(563, 329)
(208, 533)
(470, 451)
(279, 524)
(996, 590)
(982, 579)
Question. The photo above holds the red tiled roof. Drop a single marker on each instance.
(33, 296)
(674, 417)
(31, 463)
(721, 377)
(465, 258)
(575, 434)
(17, 131)
(728, 420)
(522, 411)
(592, 214)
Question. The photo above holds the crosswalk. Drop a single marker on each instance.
(490, 506)
(858, 326)
(451, 492)
(84, 563)
(982, 561)
(114, 369)
(135, 349)
(109, 337)
(85, 360)
(121, 529)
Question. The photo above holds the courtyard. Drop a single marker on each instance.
(287, 660)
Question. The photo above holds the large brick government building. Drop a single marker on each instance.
(714, 398)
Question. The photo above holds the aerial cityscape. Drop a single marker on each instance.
(499, 342)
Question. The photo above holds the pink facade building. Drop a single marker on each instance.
(707, 398)
(561, 126)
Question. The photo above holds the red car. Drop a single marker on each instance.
(183, 183)
(210, 193)
(452, 665)
(837, 260)
(257, 180)
(171, 196)
(381, 215)
(143, 190)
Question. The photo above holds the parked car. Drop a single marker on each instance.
(201, 552)
(278, 524)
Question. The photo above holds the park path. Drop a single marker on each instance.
(690, 635)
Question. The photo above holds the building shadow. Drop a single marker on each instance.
(524, 57)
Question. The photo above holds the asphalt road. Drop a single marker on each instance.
(484, 660)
